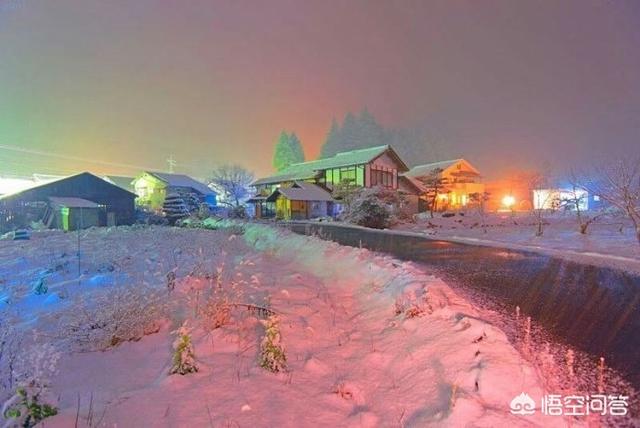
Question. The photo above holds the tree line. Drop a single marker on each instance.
(359, 131)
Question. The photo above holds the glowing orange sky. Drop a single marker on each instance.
(498, 82)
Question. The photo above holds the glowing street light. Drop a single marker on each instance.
(508, 201)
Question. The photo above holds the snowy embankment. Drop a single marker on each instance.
(369, 340)
(609, 242)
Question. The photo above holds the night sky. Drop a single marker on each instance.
(502, 83)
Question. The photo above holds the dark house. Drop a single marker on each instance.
(78, 201)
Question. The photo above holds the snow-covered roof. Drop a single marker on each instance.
(301, 191)
(44, 184)
(311, 169)
(73, 202)
(426, 169)
(181, 180)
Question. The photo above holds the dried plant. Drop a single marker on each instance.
(113, 316)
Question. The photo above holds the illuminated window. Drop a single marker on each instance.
(360, 175)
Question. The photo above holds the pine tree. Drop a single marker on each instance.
(281, 155)
(349, 133)
(369, 132)
(332, 142)
(296, 148)
(288, 150)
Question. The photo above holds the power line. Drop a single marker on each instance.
(13, 165)
(75, 158)
(201, 165)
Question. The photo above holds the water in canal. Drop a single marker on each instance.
(563, 316)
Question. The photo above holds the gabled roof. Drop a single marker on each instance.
(181, 180)
(413, 182)
(73, 202)
(298, 171)
(311, 169)
(301, 191)
(54, 183)
(125, 183)
(426, 169)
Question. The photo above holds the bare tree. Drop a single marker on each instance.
(618, 183)
(480, 199)
(537, 182)
(575, 199)
(233, 181)
(434, 184)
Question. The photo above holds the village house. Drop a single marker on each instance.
(153, 187)
(305, 189)
(456, 182)
(70, 203)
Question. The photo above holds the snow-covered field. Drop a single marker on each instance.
(610, 241)
(369, 340)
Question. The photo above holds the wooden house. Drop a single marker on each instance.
(81, 200)
(301, 201)
(153, 187)
(457, 181)
(370, 167)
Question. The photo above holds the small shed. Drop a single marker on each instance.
(301, 201)
(74, 213)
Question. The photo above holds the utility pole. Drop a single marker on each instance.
(172, 163)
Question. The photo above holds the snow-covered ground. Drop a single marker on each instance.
(369, 340)
(610, 241)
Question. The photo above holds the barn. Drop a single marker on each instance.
(70, 203)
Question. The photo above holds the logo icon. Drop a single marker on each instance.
(523, 405)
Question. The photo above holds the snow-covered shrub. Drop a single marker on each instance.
(113, 316)
(183, 354)
(26, 406)
(371, 208)
(272, 355)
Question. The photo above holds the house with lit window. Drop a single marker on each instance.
(308, 186)
(457, 181)
(153, 187)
